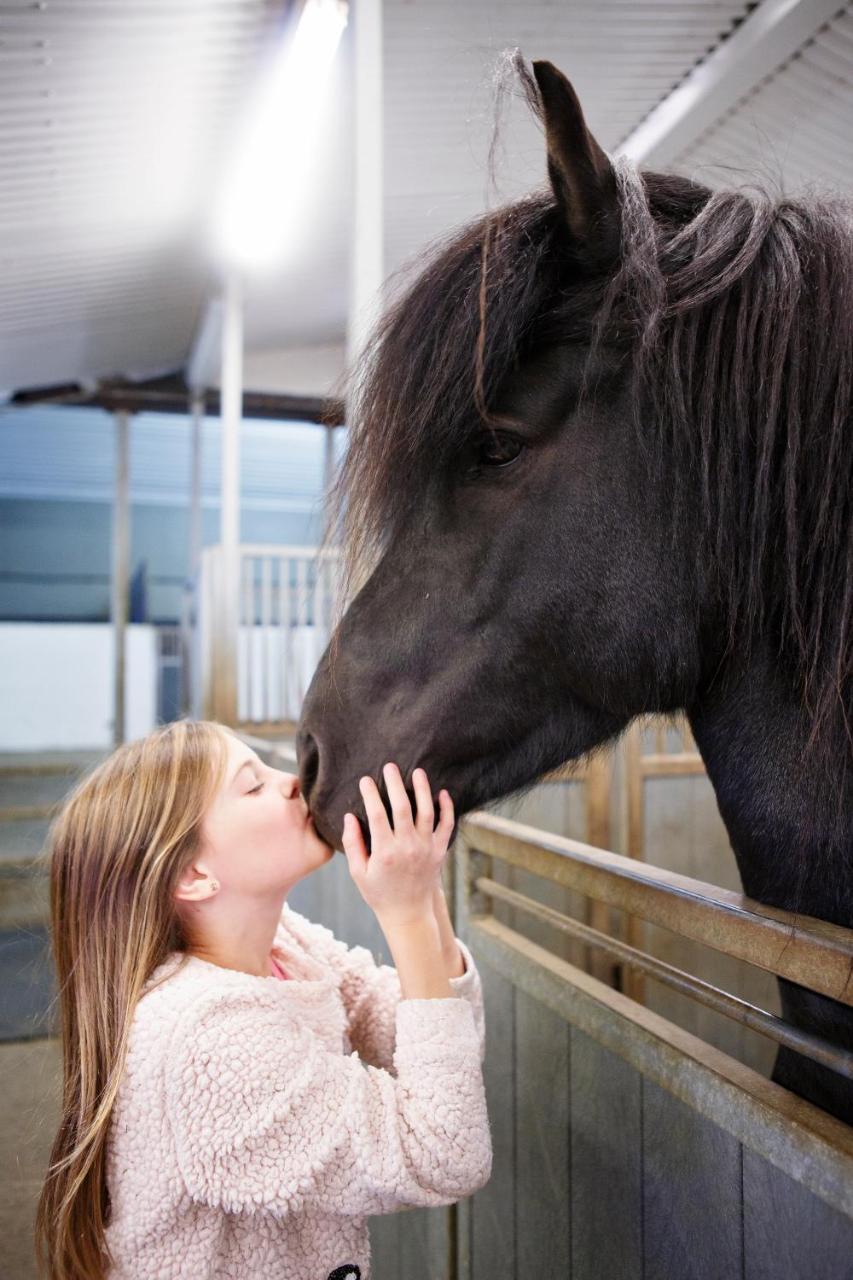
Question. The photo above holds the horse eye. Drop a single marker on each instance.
(497, 449)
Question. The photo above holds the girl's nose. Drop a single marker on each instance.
(289, 786)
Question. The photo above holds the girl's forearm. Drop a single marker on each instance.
(418, 957)
(453, 960)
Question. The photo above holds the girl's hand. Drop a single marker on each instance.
(398, 877)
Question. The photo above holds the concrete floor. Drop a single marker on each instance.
(29, 1114)
(29, 1067)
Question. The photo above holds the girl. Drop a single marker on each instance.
(240, 1088)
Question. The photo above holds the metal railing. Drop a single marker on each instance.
(805, 1142)
(288, 601)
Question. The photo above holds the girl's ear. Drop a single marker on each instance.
(197, 883)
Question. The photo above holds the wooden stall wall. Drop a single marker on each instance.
(602, 1174)
(666, 815)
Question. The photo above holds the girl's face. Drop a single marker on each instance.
(257, 838)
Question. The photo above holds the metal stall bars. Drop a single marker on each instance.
(625, 1146)
(288, 602)
(669, 805)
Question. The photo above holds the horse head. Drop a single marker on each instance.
(526, 599)
(599, 464)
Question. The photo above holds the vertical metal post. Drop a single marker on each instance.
(225, 662)
(367, 259)
(192, 584)
(195, 538)
(329, 530)
(120, 571)
(368, 234)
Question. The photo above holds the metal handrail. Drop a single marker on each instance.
(813, 953)
(750, 1015)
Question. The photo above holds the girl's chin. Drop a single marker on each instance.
(316, 842)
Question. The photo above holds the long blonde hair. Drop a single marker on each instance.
(116, 852)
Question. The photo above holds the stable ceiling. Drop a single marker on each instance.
(115, 119)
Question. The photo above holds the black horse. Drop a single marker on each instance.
(601, 463)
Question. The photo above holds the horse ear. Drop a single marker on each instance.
(580, 171)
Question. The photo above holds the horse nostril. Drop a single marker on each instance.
(308, 754)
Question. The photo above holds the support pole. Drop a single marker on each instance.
(190, 694)
(330, 532)
(225, 667)
(195, 539)
(120, 571)
(368, 234)
(367, 259)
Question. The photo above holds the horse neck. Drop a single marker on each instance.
(790, 826)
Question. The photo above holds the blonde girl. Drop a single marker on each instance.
(240, 1089)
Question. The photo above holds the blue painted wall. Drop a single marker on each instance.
(56, 484)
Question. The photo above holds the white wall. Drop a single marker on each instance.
(308, 371)
(56, 685)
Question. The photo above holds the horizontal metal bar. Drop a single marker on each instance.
(810, 952)
(289, 553)
(796, 1137)
(750, 1015)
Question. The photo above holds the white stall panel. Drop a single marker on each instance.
(56, 685)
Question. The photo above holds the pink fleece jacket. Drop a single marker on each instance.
(259, 1121)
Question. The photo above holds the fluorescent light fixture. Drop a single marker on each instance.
(274, 152)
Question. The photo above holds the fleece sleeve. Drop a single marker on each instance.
(264, 1116)
(371, 993)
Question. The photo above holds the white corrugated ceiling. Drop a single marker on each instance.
(795, 127)
(622, 57)
(115, 117)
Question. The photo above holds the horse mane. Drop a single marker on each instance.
(743, 360)
(736, 308)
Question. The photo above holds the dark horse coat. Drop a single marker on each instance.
(601, 465)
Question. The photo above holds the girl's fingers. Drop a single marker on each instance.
(444, 830)
(374, 808)
(423, 796)
(400, 806)
(354, 846)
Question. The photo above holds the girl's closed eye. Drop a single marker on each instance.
(254, 790)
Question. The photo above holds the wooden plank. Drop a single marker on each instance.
(606, 1182)
(788, 1233)
(561, 808)
(493, 1250)
(671, 764)
(541, 1139)
(413, 1236)
(634, 982)
(684, 825)
(385, 1234)
(692, 1196)
(437, 1258)
(794, 1135)
(599, 779)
